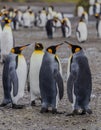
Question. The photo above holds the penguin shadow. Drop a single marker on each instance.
(12, 106)
(79, 113)
(49, 111)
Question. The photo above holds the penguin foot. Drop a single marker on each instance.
(6, 105)
(57, 112)
(89, 111)
(15, 106)
(75, 112)
(44, 110)
(54, 111)
(83, 112)
(2, 104)
(33, 103)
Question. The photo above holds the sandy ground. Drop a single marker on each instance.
(30, 118)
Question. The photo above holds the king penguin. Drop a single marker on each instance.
(50, 80)
(79, 81)
(14, 77)
(66, 27)
(7, 39)
(81, 31)
(35, 65)
(98, 25)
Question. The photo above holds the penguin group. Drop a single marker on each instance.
(46, 79)
(95, 13)
(47, 18)
(44, 73)
(51, 20)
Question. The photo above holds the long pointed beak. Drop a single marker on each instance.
(57, 46)
(69, 44)
(23, 47)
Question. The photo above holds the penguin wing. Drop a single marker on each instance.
(71, 80)
(78, 32)
(68, 28)
(59, 82)
(14, 80)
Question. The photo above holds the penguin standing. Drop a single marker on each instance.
(81, 31)
(14, 77)
(7, 40)
(35, 65)
(66, 27)
(26, 19)
(98, 25)
(32, 18)
(91, 12)
(96, 7)
(79, 82)
(20, 14)
(15, 21)
(80, 10)
(42, 18)
(50, 80)
(50, 27)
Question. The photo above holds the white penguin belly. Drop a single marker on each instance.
(6, 41)
(26, 19)
(68, 73)
(82, 28)
(35, 64)
(22, 76)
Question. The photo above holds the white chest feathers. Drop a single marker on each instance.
(6, 40)
(81, 32)
(68, 67)
(35, 64)
(22, 76)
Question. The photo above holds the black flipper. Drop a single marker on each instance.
(59, 82)
(14, 80)
(70, 81)
(78, 31)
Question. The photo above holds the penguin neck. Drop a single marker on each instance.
(16, 54)
(78, 53)
(7, 24)
(50, 55)
(38, 52)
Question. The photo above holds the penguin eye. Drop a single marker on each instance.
(77, 49)
(50, 50)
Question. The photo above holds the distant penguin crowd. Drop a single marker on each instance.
(44, 74)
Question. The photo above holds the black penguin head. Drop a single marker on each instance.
(6, 20)
(82, 18)
(53, 49)
(18, 50)
(74, 48)
(97, 16)
(38, 46)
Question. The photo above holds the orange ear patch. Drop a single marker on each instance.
(50, 50)
(77, 49)
(12, 50)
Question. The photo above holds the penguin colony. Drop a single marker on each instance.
(47, 84)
